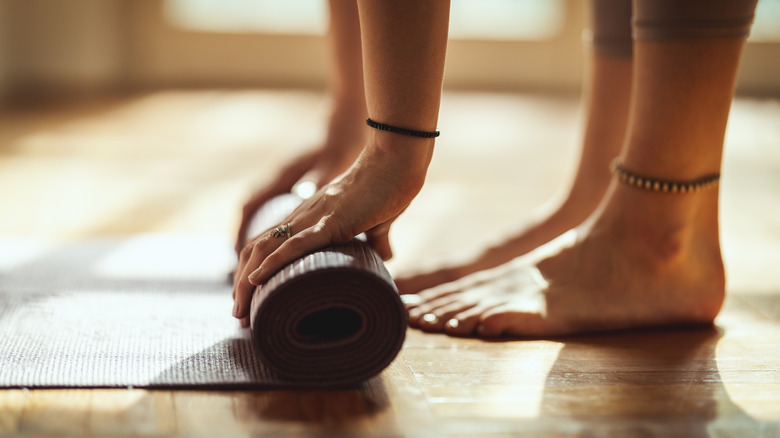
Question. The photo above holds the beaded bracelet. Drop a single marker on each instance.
(659, 185)
(404, 131)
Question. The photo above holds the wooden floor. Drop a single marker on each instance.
(181, 162)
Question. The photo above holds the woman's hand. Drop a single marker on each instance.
(367, 198)
(283, 182)
(315, 168)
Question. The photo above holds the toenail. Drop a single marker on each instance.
(411, 299)
(453, 323)
(430, 318)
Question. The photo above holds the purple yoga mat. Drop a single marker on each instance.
(331, 318)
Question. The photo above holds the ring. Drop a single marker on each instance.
(282, 231)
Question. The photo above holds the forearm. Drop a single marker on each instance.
(404, 45)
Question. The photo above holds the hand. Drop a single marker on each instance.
(284, 181)
(316, 167)
(367, 198)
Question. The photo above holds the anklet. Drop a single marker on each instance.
(659, 185)
(404, 131)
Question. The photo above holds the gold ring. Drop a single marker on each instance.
(282, 231)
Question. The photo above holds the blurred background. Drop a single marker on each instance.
(79, 47)
(121, 117)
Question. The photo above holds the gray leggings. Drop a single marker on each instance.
(612, 23)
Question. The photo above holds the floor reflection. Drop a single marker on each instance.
(656, 383)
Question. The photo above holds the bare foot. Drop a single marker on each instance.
(540, 230)
(645, 259)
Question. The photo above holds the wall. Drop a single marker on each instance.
(71, 47)
(54, 47)
(3, 55)
(759, 70)
(162, 54)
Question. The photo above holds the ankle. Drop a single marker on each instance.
(662, 230)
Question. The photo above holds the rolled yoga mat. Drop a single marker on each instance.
(331, 318)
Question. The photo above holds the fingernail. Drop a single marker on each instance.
(414, 313)
(255, 275)
(453, 323)
(430, 318)
(235, 309)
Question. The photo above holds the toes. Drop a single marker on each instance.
(438, 292)
(465, 323)
(411, 300)
(435, 320)
(428, 299)
(504, 321)
(417, 314)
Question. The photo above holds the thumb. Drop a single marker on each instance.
(379, 239)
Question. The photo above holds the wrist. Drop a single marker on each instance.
(394, 144)
(400, 159)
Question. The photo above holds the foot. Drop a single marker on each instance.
(606, 104)
(544, 227)
(627, 267)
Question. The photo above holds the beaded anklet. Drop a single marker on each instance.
(404, 131)
(659, 185)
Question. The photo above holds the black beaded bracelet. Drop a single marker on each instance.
(404, 131)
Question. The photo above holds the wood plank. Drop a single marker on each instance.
(12, 403)
(57, 412)
(407, 412)
(132, 412)
(206, 413)
(388, 405)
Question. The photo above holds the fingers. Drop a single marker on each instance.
(293, 248)
(266, 255)
(379, 239)
(283, 182)
(251, 257)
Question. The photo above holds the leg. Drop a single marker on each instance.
(346, 132)
(404, 44)
(644, 258)
(606, 100)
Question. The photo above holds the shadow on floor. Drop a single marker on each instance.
(650, 383)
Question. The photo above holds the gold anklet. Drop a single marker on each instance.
(659, 185)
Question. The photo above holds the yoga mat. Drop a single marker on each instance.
(145, 311)
(332, 317)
